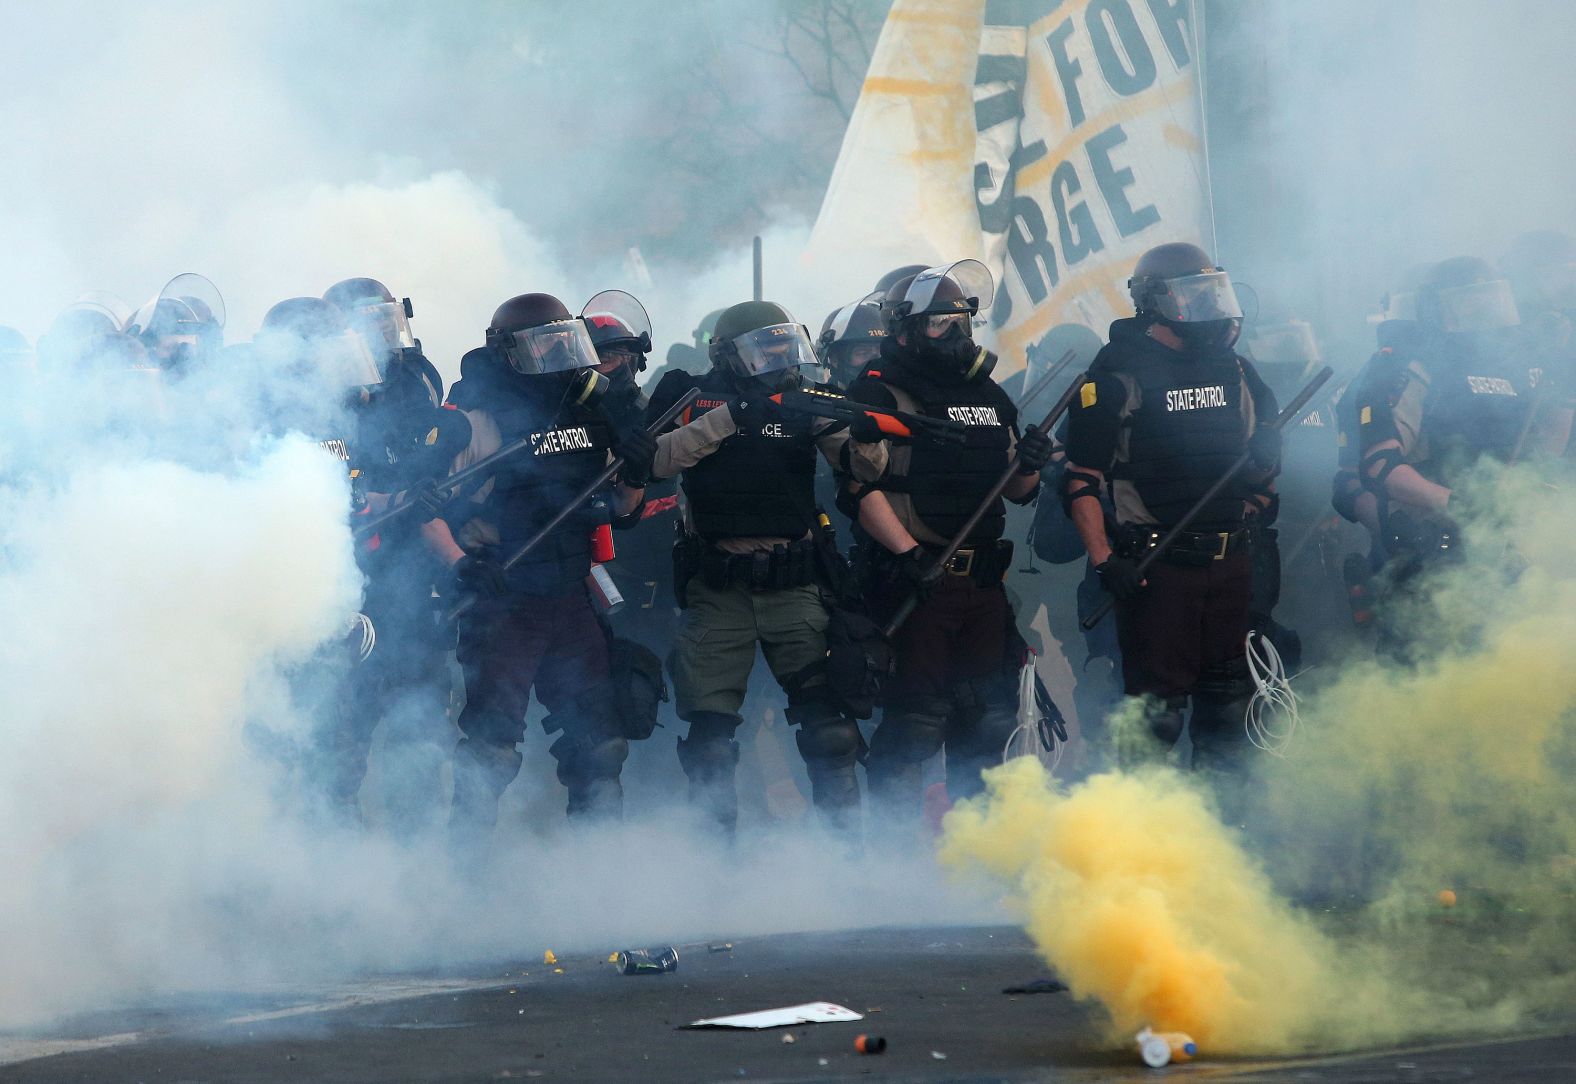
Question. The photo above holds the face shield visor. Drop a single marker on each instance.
(1477, 306)
(1198, 299)
(961, 287)
(558, 347)
(384, 326)
(619, 327)
(773, 349)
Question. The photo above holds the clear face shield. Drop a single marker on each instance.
(1477, 306)
(620, 329)
(964, 287)
(558, 347)
(776, 348)
(1198, 299)
(385, 328)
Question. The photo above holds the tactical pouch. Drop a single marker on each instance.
(859, 659)
(638, 687)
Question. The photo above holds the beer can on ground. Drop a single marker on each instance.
(654, 961)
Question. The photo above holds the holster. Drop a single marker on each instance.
(788, 565)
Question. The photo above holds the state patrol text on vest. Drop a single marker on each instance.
(555, 441)
(1196, 398)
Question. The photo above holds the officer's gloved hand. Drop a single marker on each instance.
(916, 572)
(865, 429)
(429, 500)
(480, 576)
(1120, 577)
(1264, 448)
(638, 449)
(1034, 451)
(752, 411)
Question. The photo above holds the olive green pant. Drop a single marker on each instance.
(717, 636)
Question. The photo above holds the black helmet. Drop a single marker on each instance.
(537, 335)
(309, 333)
(183, 323)
(1465, 294)
(851, 338)
(88, 330)
(372, 312)
(888, 280)
(619, 326)
(932, 314)
(758, 339)
(1178, 285)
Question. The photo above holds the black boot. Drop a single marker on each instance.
(710, 759)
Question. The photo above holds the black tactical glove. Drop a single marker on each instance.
(752, 412)
(865, 429)
(480, 576)
(429, 500)
(1264, 449)
(1034, 451)
(638, 449)
(1120, 577)
(916, 572)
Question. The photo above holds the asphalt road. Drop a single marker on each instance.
(935, 995)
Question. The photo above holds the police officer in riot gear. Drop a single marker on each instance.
(1426, 416)
(399, 441)
(958, 654)
(382, 322)
(1541, 268)
(851, 339)
(533, 627)
(750, 568)
(1167, 409)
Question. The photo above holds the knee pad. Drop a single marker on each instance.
(913, 733)
(581, 759)
(1165, 722)
(707, 755)
(833, 740)
(490, 765)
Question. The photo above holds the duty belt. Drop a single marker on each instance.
(791, 565)
(985, 564)
(1188, 548)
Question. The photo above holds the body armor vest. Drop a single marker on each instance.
(530, 488)
(946, 482)
(1188, 430)
(1475, 406)
(755, 485)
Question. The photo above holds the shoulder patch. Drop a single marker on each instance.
(1087, 394)
(1366, 416)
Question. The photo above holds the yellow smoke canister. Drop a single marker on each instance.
(1161, 1048)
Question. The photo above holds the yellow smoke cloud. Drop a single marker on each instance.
(1454, 773)
(1143, 902)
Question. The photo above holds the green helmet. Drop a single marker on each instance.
(755, 338)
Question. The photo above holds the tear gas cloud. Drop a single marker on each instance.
(1450, 775)
(173, 581)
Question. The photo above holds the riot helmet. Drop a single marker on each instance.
(888, 280)
(380, 319)
(760, 341)
(538, 337)
(308, 335)
(183, 324)
(851, 339)
(1178, 285)
(620, 332)
(90, 330)
(932, 315)
(1464, 295)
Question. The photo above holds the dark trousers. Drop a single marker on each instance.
(1189, 619)
(955, 687)
(510, 646)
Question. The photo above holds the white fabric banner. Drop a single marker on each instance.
(1086, 147)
